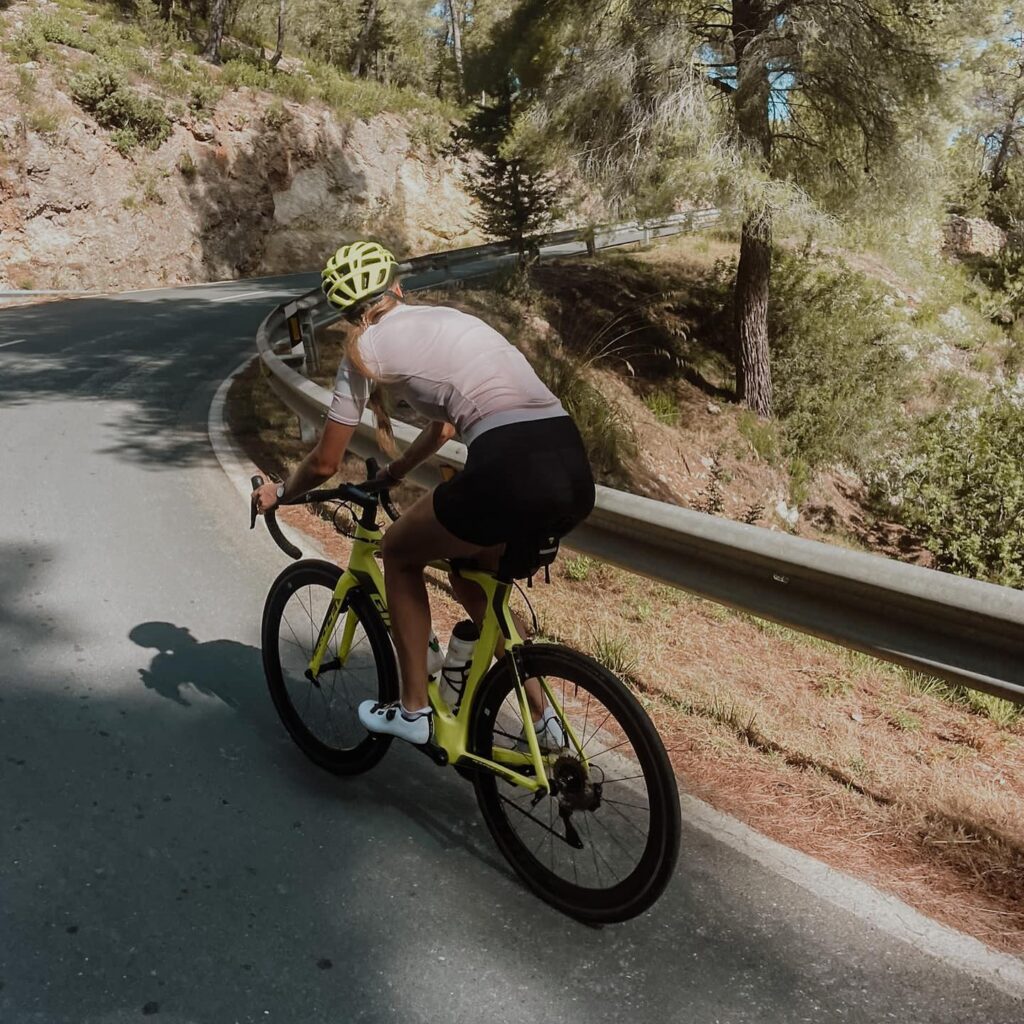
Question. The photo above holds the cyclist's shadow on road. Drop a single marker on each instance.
(232, 672)
(226, 670)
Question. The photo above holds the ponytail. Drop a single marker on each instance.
(378, 397)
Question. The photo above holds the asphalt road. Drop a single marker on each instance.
(165, 851)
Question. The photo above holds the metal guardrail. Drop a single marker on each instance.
(962, 630)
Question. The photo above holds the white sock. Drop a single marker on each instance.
(411, 716)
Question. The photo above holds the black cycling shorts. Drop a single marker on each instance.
(522, 481)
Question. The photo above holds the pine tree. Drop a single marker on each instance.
(654, 98)
(517, 199)
(990, 142)
(372, 51)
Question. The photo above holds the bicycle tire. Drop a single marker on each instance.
(378, 679)
(640, 888)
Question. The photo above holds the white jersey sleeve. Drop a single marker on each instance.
(351, 391)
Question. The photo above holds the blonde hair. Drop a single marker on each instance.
(377, 401)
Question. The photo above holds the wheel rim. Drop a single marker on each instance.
(326, 709)
(609, 803)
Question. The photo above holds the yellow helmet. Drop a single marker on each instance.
(357, 271)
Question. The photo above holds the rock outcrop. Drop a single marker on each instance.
(973, 236)
(258, 187)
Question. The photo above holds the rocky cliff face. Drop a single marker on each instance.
(260, 187)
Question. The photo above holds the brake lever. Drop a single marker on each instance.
(383, 493)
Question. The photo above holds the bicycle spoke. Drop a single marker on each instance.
(587, 742)
(593, 757)
(593, 849)
(622, 803)
(613, 835)
(329, 716)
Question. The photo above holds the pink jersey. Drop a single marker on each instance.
(448, 366)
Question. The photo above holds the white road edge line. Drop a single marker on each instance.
(237, 465)
(8, 344)
(885, 912)
(238, 296)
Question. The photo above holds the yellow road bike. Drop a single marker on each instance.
(592, 828)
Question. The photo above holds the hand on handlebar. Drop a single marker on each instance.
(264, 497)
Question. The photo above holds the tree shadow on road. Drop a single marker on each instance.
(153, 359)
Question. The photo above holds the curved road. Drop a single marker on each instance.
(165, 851)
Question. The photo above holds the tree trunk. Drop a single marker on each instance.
(753, 279)
(753, 273)
(999, 165)
(279, 49)
(456, 33)
(363, 41)
(218, 12)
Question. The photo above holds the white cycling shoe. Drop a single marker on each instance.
(550, 734)
(393, 720)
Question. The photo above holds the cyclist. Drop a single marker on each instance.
(527, 474)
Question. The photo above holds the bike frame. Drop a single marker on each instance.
(451, 730)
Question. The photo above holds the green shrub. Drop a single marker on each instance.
(1002, 298)
(43, 121)
(161, 33)
(578, 568)
(54, 29)
(295, 87)
(962, 489)
(25, 90)
(187, 166)
(616, 653)
(276, 115)
(838, 371)
(664, 406)
(203, 97)
(763, 435)
(173, 78)
(26, 45)
(134, 119)
(237, 73)
(124, 140)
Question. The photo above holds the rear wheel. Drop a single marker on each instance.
(603, 844)
(321, 714)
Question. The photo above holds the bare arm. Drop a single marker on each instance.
(316, 468)
(431, 438)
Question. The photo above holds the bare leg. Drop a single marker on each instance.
(416, 539)
(471, 597)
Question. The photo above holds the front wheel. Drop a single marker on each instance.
(320, 713)
(603, 844)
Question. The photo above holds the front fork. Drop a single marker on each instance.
(339, 604)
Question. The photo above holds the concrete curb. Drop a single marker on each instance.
(887, 913)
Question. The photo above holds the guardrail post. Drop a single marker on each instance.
(309, 432)
(309, 344)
